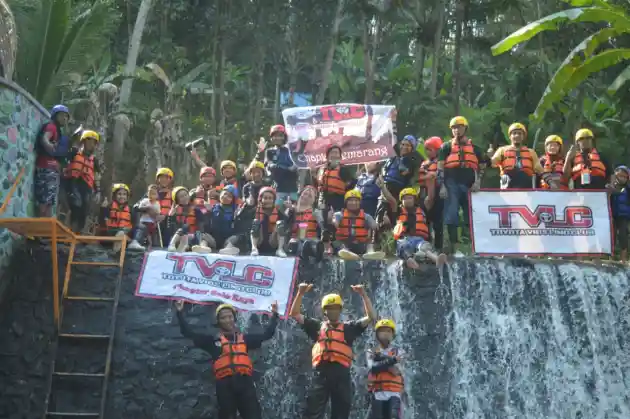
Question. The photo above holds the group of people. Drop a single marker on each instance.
(340, 209)
(332, 357)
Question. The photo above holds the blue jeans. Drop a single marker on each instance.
(408, 246)
(457, 198)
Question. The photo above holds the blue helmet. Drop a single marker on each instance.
(57, 109)
(231, 189)
(411, 139)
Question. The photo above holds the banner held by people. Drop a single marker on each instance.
(248, 283)
(560, 223)
(365, 133)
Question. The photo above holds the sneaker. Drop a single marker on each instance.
(281, 253)
(172, 249)
(229, 250)
(254, 252)
(201, 249)
(345, 254)
(134, 245)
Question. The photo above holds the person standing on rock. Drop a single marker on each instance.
(332, 354)
(233, 368)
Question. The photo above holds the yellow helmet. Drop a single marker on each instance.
(332, 300)
(255, 164)
(516, 126)
(90, 134)
(458, 120)
(176, 190)
(228, 163)
(353, 193)
(164, 171)
(223, 307)
(385, 323)
(553, 139)
(407, 191)
(118, 186)
(583, 133)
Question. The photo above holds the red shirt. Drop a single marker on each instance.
(44, 161)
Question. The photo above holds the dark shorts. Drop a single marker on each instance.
(621, 232)
(46, 186)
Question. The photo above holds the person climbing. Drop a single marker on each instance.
(251, 189)
(232, 366)
(164, 179)
(188, 223)
(518, 163)
(47, 165)
(588, 168)
(620, 204)
(386, 384)
(83, 186)
(461, 166)
(332, 353)
(280, 166)
(412, 233)
(354, 231)
(553, 166)
(429, 187)
(222, 218)
(269, 228)
(206, 194)
(149, 209)
(117, 215)
(305, 220)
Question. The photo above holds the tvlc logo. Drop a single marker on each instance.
(572, 217)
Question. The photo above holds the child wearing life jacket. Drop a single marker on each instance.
(429, 187)
(620, 204)
(354, 230)
(206, 195)
(585, 165)
(149, 209)
(82, 184)
(553, 166)
(280, 166)
(164, 179)
(386, 384)
(251, 189)
(269, 228)
(188, 224)
(304, 220)
(117, 215)
(222, 218)
(412, 232)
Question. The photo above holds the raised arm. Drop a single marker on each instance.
(370, 314)
(296, 306)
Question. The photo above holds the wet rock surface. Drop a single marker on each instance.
(156, 373)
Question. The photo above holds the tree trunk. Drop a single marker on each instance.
(437, 48)
(276, 98)
(334, 33)
(419, 50)
(221, 107)
(459, 17)
(367, 59)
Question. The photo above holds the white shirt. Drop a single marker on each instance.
(385, 395)
(145, 217)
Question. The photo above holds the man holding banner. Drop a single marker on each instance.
(233, 368)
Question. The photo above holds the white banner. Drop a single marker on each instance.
(248, 283)
(562, 223)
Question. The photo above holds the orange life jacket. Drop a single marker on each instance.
(82, 167)
(331, 346)
(509, 162)
(234, 359)
(202, 196)
(119, 216)
(595, 165)
(329, 181)
(462, 156)
(353, 227)
(427, 166)
(307, 218)
(386, 381)
(555, 167)
(421, 227)
(272, 218)
(186, 215)
(166, 202)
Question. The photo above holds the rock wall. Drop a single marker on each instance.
(20, 119)
(156, 373)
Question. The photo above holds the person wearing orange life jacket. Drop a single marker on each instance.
(461, 166)
(83, 185)
(229, 173)
(432, 203)
(269, 229)
(117, 215)
(354, 234)
(519, 164)
(586, 166)
(233, 368)
(164, 179)
(206, 194)
(553, 166)
(304, 221)
(386, 384)
(332, 354)
(188, 223)
(411, 233)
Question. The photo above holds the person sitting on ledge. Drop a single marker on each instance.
(222, 219)
(232, 365)
(269, 228)
(189, 223)
(305, 220)
(117, 215)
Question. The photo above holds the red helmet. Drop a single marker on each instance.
(433, 142)
(266, 189)
(207, 171)
(277, 128)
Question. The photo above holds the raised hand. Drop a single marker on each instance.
(304, 288)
